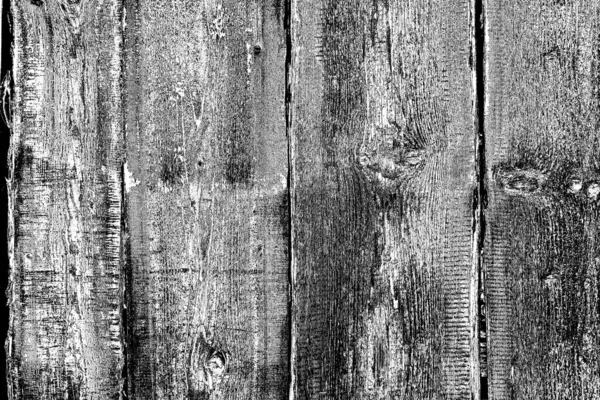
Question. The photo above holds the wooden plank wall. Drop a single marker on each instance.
(543, 166)
(317, 199)
(383, 172)
(206, 200)
(64, 292)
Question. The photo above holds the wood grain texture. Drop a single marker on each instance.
(541, 254)
(207, 200)
(382, 147)
(65, 201)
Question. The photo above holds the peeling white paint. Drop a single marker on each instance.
(124, 20)
(249, 50)
(130, 181)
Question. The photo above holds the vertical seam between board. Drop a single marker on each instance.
(291, 195)
(480, 202)
(474, 282)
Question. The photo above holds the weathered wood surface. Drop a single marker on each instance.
(383, 172)
(264, 199)
(207, 200)
(541, 254)
(64, 232)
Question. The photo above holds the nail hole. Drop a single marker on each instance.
(257, 50)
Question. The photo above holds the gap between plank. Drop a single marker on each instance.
(480, 200)
(291, 200)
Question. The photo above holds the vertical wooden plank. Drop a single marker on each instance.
(6, 44)
(65, 195)
(382, 154)
(207, 200)
(541, 253)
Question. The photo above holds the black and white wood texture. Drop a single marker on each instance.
(382, 158)
(65, 335)
(541, 254)
(303, 199)
(206, 215)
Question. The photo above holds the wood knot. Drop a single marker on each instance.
(213, 369)
(388, 171)
(593, 191)
(216, 364)
(521, 182)
(207, 366)
(575, 185)
(525, 181)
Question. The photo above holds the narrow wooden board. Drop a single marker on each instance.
(384, 262)
(207, 200)
(541, 254)
(65, 202)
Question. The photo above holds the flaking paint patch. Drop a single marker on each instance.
(130, 181)
(249, 57)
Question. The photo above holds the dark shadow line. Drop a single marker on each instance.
(288, 128)
(481, 196)
(6, 69)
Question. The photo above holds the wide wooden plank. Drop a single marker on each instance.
(65, 202)
(384, 262)
(541, 255)
(207, 200)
